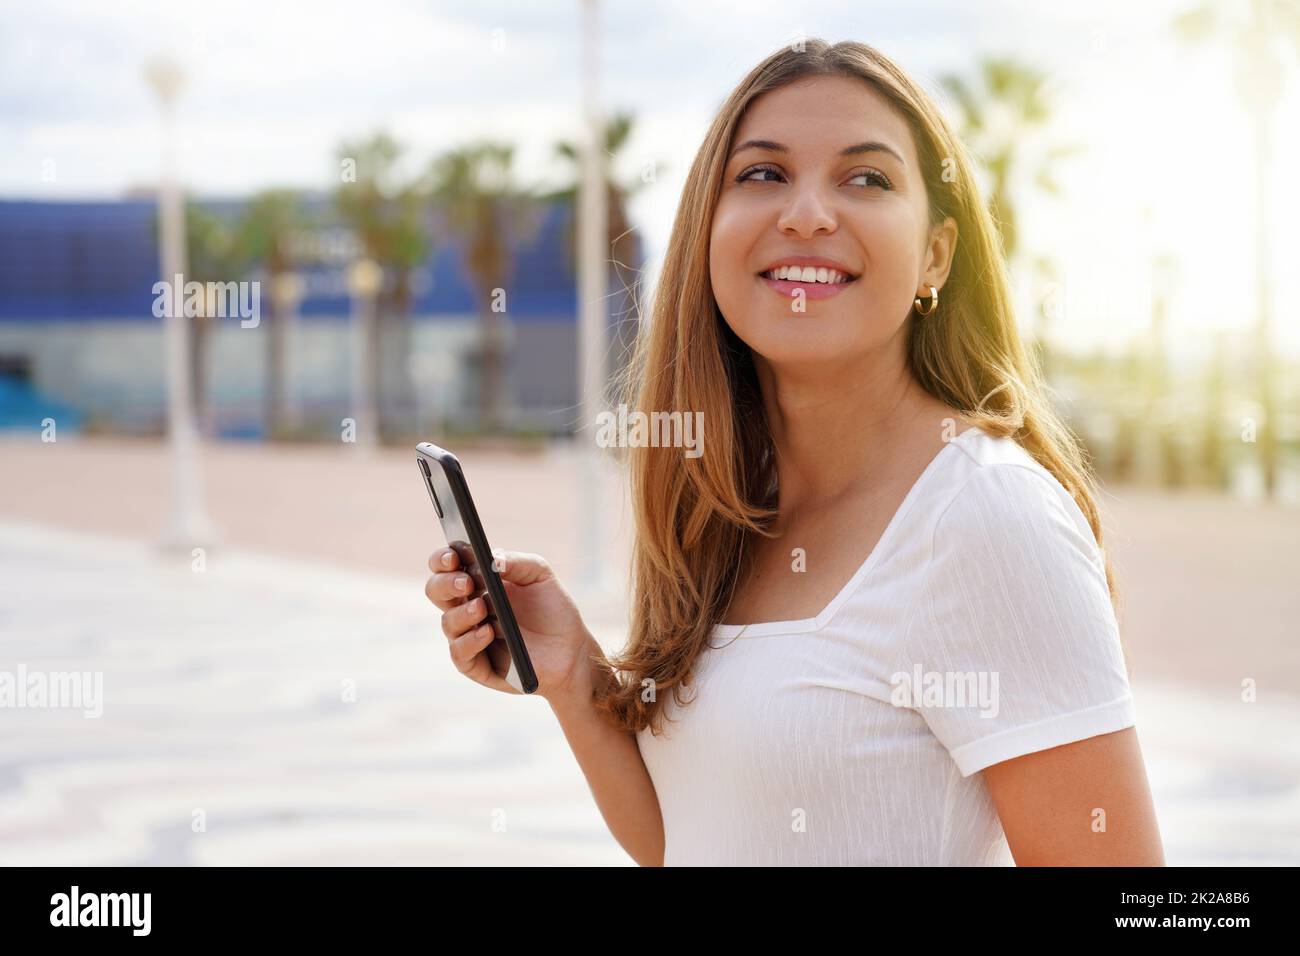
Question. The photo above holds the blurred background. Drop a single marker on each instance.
(421, 221)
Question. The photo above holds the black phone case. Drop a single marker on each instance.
(445, 481)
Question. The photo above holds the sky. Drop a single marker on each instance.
(272, 89)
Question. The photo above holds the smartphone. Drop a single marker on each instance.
(445, 481)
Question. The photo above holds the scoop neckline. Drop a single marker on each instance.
(808, 624)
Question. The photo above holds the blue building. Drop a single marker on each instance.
(78, 332)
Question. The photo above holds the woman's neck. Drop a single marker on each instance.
(834, 430)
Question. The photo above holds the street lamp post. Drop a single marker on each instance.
(593, 244)
(287, 289)
(188, 525)
(365, 279)
(1259, 81)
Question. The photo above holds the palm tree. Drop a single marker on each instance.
(387, 214)
(264, 237)
(1007, 101)
(1000, 109)
(215, 256)
(473, 186)
(1212, 462)
(1049, 306)
(623, 238)
(1257, 32)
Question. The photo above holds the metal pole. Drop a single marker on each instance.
(289, 295)
(1263, 335)
(364, 279)
(593, 256)
(188, 526)
(1260, 80)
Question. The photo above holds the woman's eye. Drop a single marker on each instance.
(744, 177)
(873, 176)
(880, 179)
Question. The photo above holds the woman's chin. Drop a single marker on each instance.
(803, 346)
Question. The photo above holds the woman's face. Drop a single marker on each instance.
(798, 192)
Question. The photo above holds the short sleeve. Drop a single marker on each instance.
(1016, 647)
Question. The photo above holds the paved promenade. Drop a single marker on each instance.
(311, 715)
(295, 696)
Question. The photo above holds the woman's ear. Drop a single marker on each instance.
(939, 253)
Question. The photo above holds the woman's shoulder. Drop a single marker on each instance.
(999, 491)
(984, 448)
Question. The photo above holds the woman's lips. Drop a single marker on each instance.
(812, 290)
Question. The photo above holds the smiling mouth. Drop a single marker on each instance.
(808, 276)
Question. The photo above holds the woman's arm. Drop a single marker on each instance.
(611, 761)
(1086, 803)
(569, 663)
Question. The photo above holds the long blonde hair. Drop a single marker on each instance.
(693, 515)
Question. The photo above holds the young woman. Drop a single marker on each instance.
(872, 623)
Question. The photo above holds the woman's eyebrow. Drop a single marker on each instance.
(871, 146)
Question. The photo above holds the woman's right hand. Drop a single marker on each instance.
(558, 643)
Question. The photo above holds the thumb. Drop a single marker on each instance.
(520, 567)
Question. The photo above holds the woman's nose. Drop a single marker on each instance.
(806, 214)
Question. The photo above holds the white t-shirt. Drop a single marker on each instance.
(802, 744)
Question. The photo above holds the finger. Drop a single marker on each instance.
(488, 666)
(466, 648)
(479, 667)
(444, 559)
(446, 589)
(463, 617)
(521, 567)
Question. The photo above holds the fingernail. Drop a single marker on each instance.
(446, 560)
(462, 583)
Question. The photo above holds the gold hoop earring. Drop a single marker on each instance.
(934, 302)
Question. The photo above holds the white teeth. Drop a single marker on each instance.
(808, 274)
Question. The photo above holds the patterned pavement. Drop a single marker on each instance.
(226, 700)
(224, 692)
